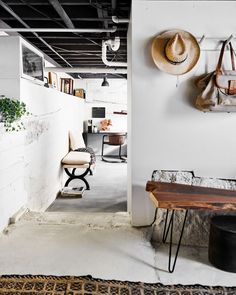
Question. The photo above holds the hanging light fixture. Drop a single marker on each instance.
(105, 82)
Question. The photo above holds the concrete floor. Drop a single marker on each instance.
(103, 245)
(108, 191)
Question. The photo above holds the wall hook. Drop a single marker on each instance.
(202, 39)
(229, 39)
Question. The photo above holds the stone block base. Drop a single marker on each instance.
(197, 226)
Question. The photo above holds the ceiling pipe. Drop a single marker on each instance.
(117, 20)
(113, 45)
(59, 30)
(10, 11)
(87, 70)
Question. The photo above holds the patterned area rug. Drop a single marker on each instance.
(52, 285)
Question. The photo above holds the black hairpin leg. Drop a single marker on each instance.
(169, 228)
(81, 176)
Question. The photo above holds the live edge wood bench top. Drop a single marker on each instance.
(181, 196)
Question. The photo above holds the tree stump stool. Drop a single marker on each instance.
(222, 243)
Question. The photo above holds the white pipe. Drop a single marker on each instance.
(87, 70)
(111, 44)
(117, 20)
(60, 30)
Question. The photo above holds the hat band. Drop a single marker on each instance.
(176, 62)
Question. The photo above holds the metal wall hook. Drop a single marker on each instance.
(201, 40)
(229, 39)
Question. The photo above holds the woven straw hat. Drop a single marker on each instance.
(175, 52)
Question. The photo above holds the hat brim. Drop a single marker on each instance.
(160, 59)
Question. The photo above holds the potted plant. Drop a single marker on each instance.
(11, 111)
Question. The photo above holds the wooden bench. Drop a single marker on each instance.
(78, 157)
(173, 196)
(77, 160)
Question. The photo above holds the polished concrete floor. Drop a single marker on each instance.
(108, 191)
(103, 245)
(84, 236)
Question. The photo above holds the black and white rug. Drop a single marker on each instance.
(86, 285)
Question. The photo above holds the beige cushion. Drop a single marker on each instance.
(76, 140)
(76, 158)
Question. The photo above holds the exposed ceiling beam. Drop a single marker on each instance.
(62, 13)
(9, 10)
(82, 19)
(75, 44)
(55, 38)
(122, 5)
(87, 70)
(44, 3)
(79, 51)
(101, 14)
(57, 30)
(113, 6)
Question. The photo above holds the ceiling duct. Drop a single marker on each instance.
(112, 45)
(59, 30)
(87, 70)
(117, 20)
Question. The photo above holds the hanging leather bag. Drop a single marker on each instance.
(218, 88)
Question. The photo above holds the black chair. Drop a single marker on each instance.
(117, 139)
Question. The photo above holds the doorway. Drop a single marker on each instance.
(108, 184)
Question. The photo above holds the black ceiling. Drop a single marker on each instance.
(78, 49)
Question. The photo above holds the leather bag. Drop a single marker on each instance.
(218, 88)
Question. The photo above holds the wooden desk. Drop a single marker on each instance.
(173, 196)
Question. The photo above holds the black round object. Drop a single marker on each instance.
(222, 242)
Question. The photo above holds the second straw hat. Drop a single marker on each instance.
(175, 52)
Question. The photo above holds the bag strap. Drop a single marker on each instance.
(222, 51)
(232, 56)
(219, 64)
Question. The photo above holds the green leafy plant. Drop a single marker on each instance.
(11, 111)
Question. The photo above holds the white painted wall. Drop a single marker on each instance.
(30, 170)
(113, 98)
(47, 140)
(167, 131)
(12, 192)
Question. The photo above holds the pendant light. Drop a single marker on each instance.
(105, 82)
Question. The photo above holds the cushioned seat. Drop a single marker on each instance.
(76, 158)
(79, 158)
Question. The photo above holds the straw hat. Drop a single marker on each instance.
(175, 52)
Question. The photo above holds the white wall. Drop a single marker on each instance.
(114, 98)
(30, 169)
(12, 192)
(167, 131)
(47, 140)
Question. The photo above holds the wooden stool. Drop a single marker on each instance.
(222, 242)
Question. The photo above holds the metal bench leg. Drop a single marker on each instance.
(81, 176)
(166, 230)
(166, 233)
